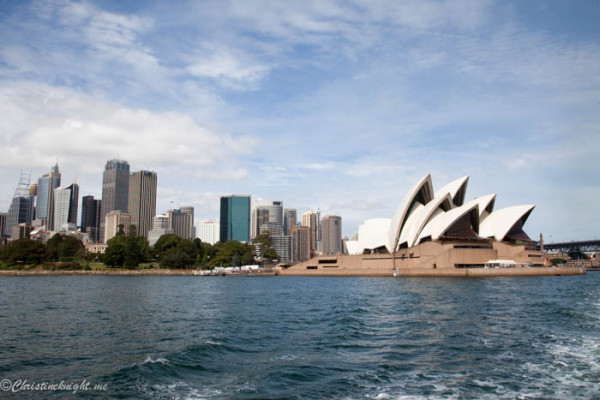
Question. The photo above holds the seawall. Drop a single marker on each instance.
(443, 272)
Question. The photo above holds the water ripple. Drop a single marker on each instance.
(306, 338)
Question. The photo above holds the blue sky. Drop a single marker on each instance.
(337, 105)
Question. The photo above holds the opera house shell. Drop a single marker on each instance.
(436, 233)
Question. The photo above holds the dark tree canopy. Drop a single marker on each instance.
(24, 251)
(64, 248)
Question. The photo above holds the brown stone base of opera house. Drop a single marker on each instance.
(445, 259)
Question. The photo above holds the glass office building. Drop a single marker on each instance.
(235, 218)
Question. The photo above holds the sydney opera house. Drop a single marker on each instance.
(439, 234)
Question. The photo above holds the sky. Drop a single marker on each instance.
(333, 105)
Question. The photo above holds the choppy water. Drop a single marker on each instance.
(292, 337)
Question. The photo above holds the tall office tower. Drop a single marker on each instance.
(160, 226)
(115, 191)
(267, 211)
(259, 217)
(3, 216)
(190, 211)
(273, 228)
(90, 217)
(235, 218)
(283, 247)
(208, 231)
(22, 207)
(142, 200)
(332, 234)
(289, 220)
(181, 222)
(66, 203)
(300, 243)
(45, 197)
(312, 220)
(114, 220)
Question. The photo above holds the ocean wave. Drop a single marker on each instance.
(150, 360)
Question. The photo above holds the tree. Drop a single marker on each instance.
(176, 259)
(266, 251)
(24, 251)
(114, 255)
(64, 248)
(136, 251)
(232, 253)
(182, 255)
(164, 244)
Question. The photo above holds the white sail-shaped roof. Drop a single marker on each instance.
(421, 192)
(486, 205)
(372, 234)
(499, 223)
(421, 216)
(443, 221)
(353, 247)
(457, 190)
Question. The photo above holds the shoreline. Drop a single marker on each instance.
(400, 273)
(447, 272)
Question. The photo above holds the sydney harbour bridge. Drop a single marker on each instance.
(584, 246)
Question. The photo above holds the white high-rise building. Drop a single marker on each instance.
(160, 226)
(66, 203)
(208, 231)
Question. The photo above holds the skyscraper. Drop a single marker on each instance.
(90, 217)
(289, 220)
(181, 222)
(312, 220)
(301, 243)
(115, 190)
(235, 218)
(260, 217)
(332, 234)
(142, 200)
(273, 228)
(190, 211)
(283, 247)
(45, 197)
(66, 203)
(267, 212)
(22, 207)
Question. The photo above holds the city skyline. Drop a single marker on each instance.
(321, 105)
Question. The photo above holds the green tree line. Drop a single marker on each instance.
(59, 249)
(129, 250)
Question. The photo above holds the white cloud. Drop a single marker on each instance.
(232, 71)
(47, 122)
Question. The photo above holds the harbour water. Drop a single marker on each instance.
(295, 337)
